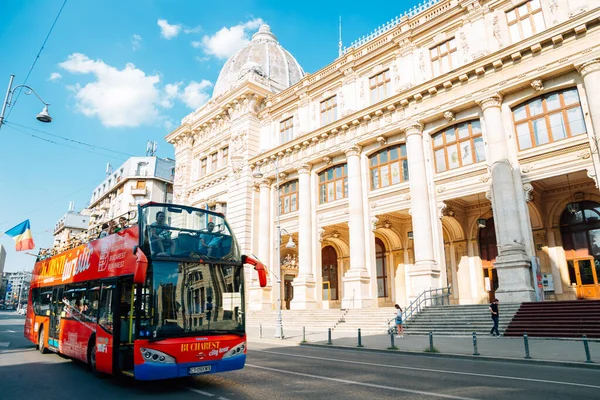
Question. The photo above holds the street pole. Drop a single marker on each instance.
(5, 104)
(279, 324)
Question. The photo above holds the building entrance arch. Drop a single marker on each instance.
(580, 231)
(329, 269)
(488, 251)
(382, 274)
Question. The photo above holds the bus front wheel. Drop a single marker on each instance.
(42, 341)
(92, 361)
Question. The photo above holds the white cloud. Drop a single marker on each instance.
(167, 30)
(136, 42)
(55, 76)
(196, 44)
(119, 98)
(194, 95)
(192, 30)
(225, 42)
(170, 93)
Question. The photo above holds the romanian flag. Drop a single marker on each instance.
(22, 235)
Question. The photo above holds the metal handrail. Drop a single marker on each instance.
(430, 297)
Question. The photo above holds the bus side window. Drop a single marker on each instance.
(106, 307)
(35, 299)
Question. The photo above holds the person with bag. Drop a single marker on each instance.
(495, 316)
(400, 332)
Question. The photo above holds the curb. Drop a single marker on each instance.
(570, 364)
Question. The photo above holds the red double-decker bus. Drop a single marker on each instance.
(161, 299)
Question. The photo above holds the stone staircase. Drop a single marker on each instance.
(557, 319)
(459, 319)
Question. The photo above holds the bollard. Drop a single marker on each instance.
(260, 328)
(526, 341)
(328, 335)
(475, 352)
(359, 339)
(392, 340)
(304, 334)
(431, 342)
(588, 357)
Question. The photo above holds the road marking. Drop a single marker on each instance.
(8, 331)
(4, 344)
(435, 370)
(201, 392)
(445, 396)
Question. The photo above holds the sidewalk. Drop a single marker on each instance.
(551, 351)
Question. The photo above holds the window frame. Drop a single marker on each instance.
(286, 130)
(402, 160)
(225, 155)
(530, 16)
(203, 166)
(545, 114)
(328, 109)
(323, 184)
(375, 82)
(437, 57)
(457, 141)
(293, 190)
(214, 161)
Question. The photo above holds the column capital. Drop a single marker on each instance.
(588, 66)
(353, 150)
(416, 128)
(304, 168)
(494, 101)
(264, 183)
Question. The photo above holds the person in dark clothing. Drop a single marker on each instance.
(495, 316)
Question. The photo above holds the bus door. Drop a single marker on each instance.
(57, 311)
(125, 317)
(105, 349)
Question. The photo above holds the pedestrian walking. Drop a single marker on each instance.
(400, 332)
(495, 316)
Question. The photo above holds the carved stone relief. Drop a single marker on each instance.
(497, 32)
(464, 46)
(528, 188)
(537, 85)
(374, 222)
(321, 231)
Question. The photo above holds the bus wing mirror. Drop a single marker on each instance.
(141, 267)
(259, 268)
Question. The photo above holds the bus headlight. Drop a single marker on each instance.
(155, 356)
(236, 351)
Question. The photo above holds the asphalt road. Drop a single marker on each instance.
(275, 372)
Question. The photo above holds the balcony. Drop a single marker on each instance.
(138, 192)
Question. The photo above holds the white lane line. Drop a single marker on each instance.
(4, 344)
(433, 394)
(435, 370)
(201, 392)
(223, 398)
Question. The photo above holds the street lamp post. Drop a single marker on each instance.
(290, 245)
(42, 116)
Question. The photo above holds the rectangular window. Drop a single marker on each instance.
(388, 167)
(525, 20)
(444, 57)
(213, 162)
(379, 85)
(203, 167)
(225, 156)
(458, 145)
(328, 110)
(140, 184)
(288, 197)
(333, 184)
(286, 130)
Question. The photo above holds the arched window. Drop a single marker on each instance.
(382, 288)
(457, 146)
(288, 197)
(333, 183)
(388, 167)
(546, 119)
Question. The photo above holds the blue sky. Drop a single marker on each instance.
(118, 73)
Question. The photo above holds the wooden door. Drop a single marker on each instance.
(488, 251)
(586, 273)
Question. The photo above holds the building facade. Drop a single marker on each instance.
(454, 146)
(137, 181)
(16, 290)
(70, 225)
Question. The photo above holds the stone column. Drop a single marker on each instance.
(264, 217)
(260, 298)
(512, 264)
(304, 283)
(590, 71)
(554, 260)
(425, 273)
(356, 280)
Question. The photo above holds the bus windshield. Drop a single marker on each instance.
(186, 233)
(192, 298)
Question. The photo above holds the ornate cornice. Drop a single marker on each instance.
(589, 66)
(494, 101)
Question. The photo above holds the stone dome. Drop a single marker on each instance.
(263, 56)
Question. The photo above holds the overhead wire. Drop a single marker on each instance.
(37, 56)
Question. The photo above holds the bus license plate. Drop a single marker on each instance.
(199, 370)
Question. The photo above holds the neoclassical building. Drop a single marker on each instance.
(456, 145)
